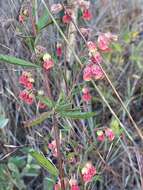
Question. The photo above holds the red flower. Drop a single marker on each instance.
(110, 134)
(86, 15)
(59, 50)
(75, 187)
(42, 105)
(86, 95)
(66, 19)
(26, 97)
(100, 136)
(26, 80)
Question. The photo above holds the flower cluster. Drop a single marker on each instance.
(47, 61)
(86, 96)
(104, 41)
(84, 5)
(26, 81)
(26, 97)
(88, 172)
(93, 69)
(52, 146)
(67, 18)
(73, 184)
(107, 132)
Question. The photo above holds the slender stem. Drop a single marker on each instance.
(32, 20)
(59, 157)
(56, 134)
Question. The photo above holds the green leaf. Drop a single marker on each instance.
(115, 126)
(117, 47)
(43, 21)
(38, 120)
(16, 61)
(44, 162)
(3, 122)
(47, 101)
(77, 114)
(13, 167)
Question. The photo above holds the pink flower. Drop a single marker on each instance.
(48, 62)
(96, 58)
(56, 8)
(103, 42)
(73, 184)
(110, 134)
(21, 19)
(66, 19)
(29, 99)
(52, 146)
(26, 97)
(91, 47)
(88, 172)
(97, 73)
(23, 95)
(26, 80)
(92, 71)
(42, 105)
(111, 37)
(59, 50)
(86, 15)
(86, 95)
(57, 187)
(87, 74)
(75, 187)
(100, 136)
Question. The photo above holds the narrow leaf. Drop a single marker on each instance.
(43, 20)
(77, 115)
(44, 162)
(16, 61)
(38, 120)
